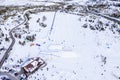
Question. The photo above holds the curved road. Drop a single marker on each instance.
(13, 39)
(6, 55)
(13, 42)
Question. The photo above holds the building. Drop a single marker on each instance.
(34, 65)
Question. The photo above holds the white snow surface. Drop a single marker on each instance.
(37, 2)
(78, 53)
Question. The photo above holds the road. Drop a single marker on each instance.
(105, 16)
(6, 55)
(9, 75)
(12, 43)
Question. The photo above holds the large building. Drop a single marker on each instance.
(34, 65)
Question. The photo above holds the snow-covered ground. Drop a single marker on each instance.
(71, 51)
(37, 2)
(84, 47)
(10, 23)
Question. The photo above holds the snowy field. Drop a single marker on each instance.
(71, 51)
(37, 2)
(76, 44)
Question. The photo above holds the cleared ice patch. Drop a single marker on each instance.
(61, 51)
(69, 54)
(55, 47)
